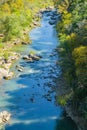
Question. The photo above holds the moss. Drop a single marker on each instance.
(63, 99)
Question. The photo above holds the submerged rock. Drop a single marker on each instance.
(49, 99)
(52, 22)
(32, 100)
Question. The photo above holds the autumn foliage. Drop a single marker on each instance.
(72, 32)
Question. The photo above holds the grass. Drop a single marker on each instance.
(18, 48)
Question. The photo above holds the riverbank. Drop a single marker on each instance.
(72, 29)
(62, 92)
(10, 51)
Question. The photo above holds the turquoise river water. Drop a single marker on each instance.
(29, 97)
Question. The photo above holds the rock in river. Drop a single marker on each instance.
(27, 58)
(52, 22)
(31, 57)
(34, 57)
(19, 68)
(4, 117)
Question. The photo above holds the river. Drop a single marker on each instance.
(29, 97)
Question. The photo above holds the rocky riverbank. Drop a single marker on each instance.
(9, 55)
(61, 91)
(6, 65)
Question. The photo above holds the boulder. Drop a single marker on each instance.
(8, 76)
(35, 23)
(17, 41)
(14, 57)
(24, 43)
(34, 57)
(42, 10)
(4, 117)
(31, 57)
(38, 15)
(50, 8)
(19, 68)
(27, 58)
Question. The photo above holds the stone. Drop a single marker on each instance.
(3, 72)
(17, 41)
(34, 57)
(7, 66)
(4, 117)
(9, 76)
(35, 23)
(31, 58)
(19, 68)
(24, 43)
(1, 35)
(27, 58)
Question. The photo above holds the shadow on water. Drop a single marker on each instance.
(62, 124)
(29, 97)
(65, 124)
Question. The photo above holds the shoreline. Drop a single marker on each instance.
(62, 90)
(7, 60)
(10, 55)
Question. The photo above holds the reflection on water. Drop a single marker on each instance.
(29, 97)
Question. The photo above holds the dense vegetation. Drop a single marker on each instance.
(17, 16)
(16, 19)
(72, 32)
